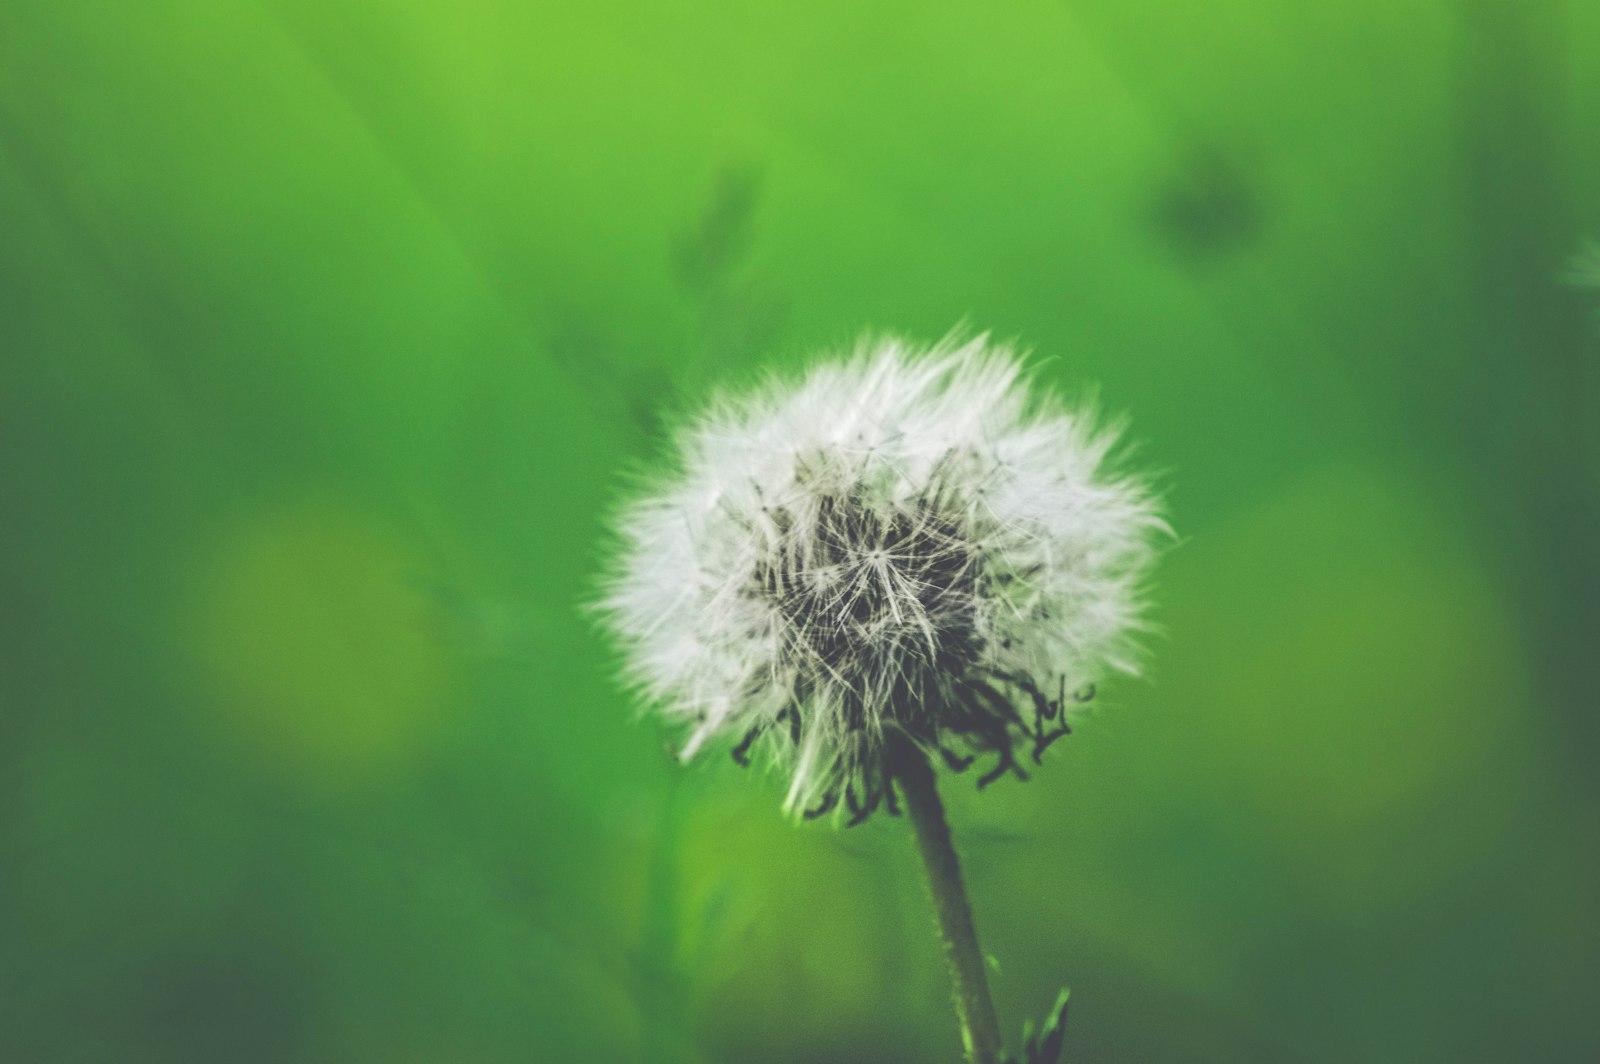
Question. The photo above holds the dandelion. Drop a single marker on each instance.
(906, 558)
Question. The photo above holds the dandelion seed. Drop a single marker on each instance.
(904, 543)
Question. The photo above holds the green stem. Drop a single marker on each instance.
(969, 983)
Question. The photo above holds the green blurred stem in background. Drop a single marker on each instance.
(980, 1031)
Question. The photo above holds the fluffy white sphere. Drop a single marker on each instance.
(906, 541)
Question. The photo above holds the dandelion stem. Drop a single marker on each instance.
(980, 1031)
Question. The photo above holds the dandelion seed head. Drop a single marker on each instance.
(906, 539)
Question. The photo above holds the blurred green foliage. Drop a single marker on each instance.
(328, 332)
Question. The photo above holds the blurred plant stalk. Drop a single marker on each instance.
(969, 984)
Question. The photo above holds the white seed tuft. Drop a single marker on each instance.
(904, 540)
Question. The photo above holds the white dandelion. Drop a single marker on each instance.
(905, 557)
(906, 542)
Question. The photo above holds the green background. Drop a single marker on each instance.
(330, 332)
